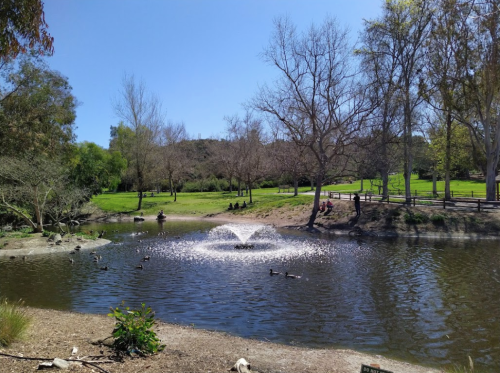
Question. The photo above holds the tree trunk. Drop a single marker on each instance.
(447, 164)
(231, 184)
(250, 192)
(140, 200)
(434, 182)
(361, 185)
(38, 214)
(317, 196)
(491, 165)
(295, 186)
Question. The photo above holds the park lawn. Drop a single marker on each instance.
(423, 188)
(197, 204)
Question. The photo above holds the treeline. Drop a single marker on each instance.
(419, 92)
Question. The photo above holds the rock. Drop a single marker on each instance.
(57, 238)
(60, 363)
(241, 366)
(108, 341)
(46, 365)
(7, 228)
(59, 224)
(74, 222)
(138, 218)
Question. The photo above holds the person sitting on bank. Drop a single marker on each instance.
(161, 215)
(329, 205)
(230, 206)
(236, 206)
(244, 204)
(322, 207)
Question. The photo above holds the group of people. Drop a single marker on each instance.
(237, 206)
(328, 205)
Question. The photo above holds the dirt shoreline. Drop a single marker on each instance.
(55, 333)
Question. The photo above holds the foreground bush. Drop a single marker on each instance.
(13, 321)
(133, 331)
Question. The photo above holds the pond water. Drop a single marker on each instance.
(428, 302)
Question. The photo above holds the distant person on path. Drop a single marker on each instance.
(357, 204)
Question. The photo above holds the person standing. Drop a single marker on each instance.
(357, 204)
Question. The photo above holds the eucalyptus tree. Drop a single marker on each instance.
(37, 110)
(142, 113)
(316, 98)
(380, 65)
(441, 87)
(402, 31)
(479, 52)
(23, 27)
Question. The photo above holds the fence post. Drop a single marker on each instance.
(452, 193)
(365, 197)
(370, 197)
(387, 198)
(444, 203)
(472, 194)
(478, 205)
(414, 201)
(415, 194)
(349, 196)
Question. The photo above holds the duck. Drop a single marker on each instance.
(271, 272)
(292, 276)
(71, 260)
(139, 266)
(147, 257)
(104, 268)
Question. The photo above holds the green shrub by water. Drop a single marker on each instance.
(13, 321)
(133, 331)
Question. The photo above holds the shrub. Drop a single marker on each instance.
(13, 321)
(437, 219)
(416, 218)
(133, 330)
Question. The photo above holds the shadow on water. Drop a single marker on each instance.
(429, 302)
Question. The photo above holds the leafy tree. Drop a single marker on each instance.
(96, 168)
(26, 185)
(402, 31)
(37, 111)
(23, 26)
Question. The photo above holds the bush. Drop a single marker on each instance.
(416, 218)
(133, 331)
(437, 219)
(13, 321)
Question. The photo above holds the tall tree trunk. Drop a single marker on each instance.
(408, 141)
(361, 184)
(38, 214)
(295, 185)
(317, 196)
(434, 182)
(447, 162)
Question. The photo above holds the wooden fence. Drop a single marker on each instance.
(477, 204)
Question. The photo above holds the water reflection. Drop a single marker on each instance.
(423, 301)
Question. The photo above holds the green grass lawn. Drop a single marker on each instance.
(205, 203)
(195, 203)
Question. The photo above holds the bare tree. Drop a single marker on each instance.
(142, 113)
(316, 98)
(248, 138)
(173, 157)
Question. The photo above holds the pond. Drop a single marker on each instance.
(424, 301)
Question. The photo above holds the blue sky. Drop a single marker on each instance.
(200, 57)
